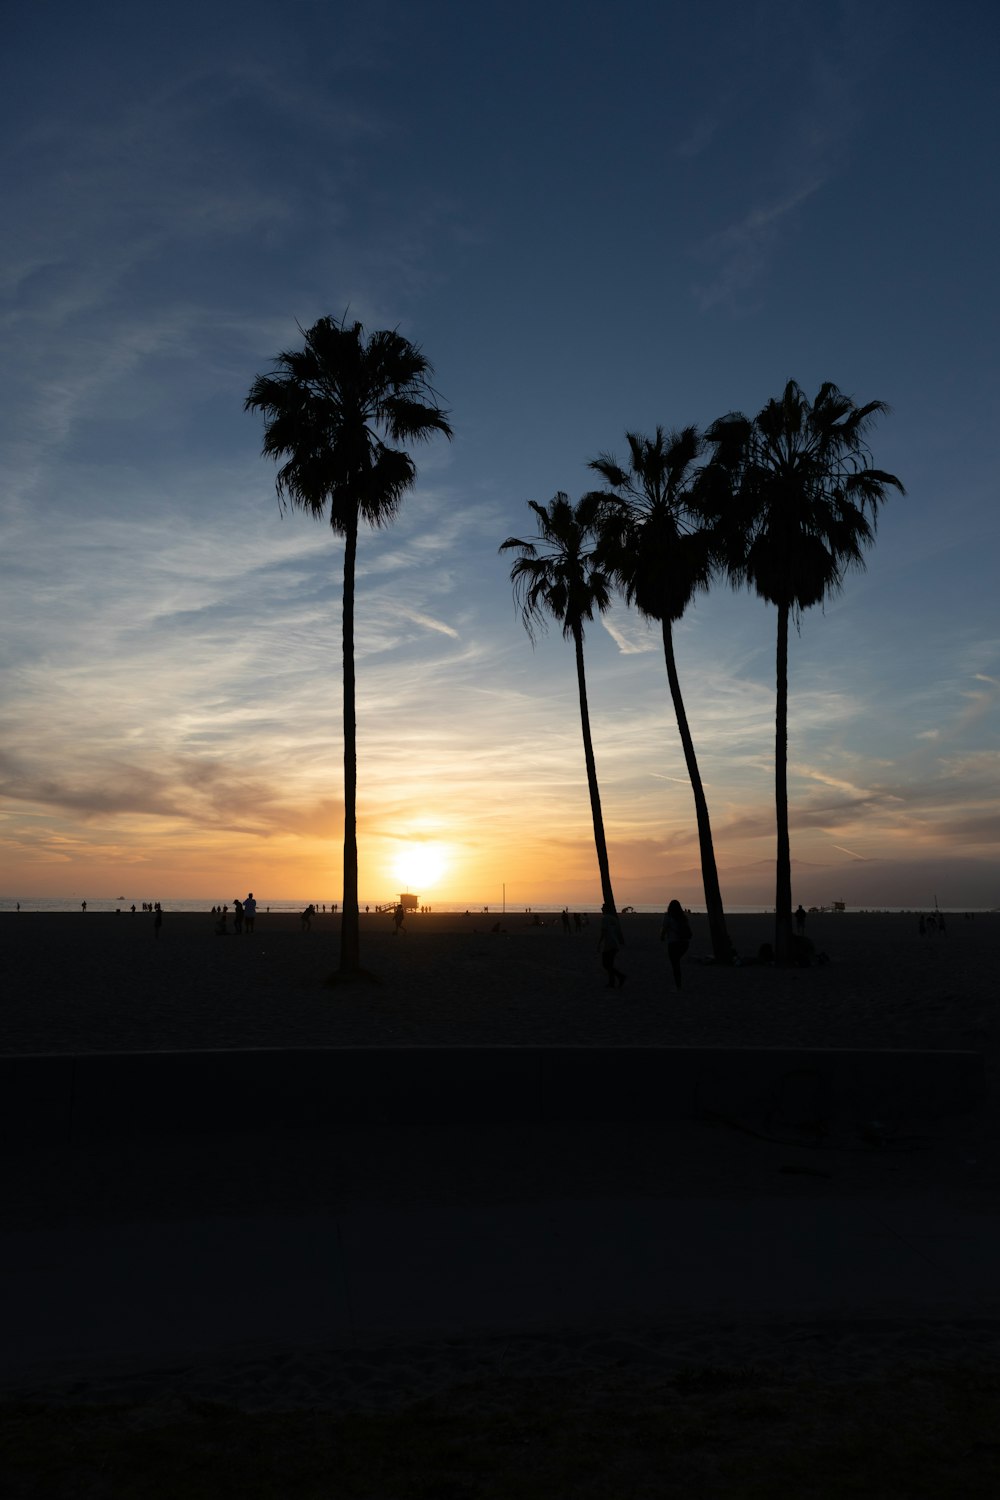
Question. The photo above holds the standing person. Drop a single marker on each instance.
(398, 918)
(610, 940)
(238, 916)
(249, 912)
(157, 919)
(676, 929)
(800, 919)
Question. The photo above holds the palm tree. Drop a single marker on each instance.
(329, 409)
(798, 496)
(659, 551)
(557, 574)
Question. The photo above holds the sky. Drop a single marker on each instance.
(592, 218)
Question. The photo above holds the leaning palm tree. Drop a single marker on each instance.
(658, 550)
(330, 411)
(798, 496)
(557, 574)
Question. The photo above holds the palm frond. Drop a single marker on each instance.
(558, 574)
(795, 493)
(328, 409)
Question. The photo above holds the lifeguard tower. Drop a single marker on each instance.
(407, 901)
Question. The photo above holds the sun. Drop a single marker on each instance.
(420, 866)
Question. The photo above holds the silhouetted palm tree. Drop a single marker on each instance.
(798, 496)
(328, 409)
(557, 574)
(658, 550)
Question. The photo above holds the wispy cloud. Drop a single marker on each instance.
(743, 250)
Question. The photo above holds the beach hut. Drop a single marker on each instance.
(409, 902)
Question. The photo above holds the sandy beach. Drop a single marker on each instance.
(76, 984)
(100, 982)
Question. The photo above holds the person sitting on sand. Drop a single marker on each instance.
(610, 939)
(676, 929)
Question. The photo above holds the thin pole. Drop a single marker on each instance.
(504, 913)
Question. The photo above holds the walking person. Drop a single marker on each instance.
(610, 940)
(398, 918)
(676, 930)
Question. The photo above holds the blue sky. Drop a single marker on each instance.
(592, 219)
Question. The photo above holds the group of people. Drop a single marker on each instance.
(244, 914)
(675, 931)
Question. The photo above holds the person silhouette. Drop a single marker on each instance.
(398, 917)
(800, 919)
(676, 929)
(249, 912)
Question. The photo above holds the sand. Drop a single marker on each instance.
(101, 982)
(75, 983)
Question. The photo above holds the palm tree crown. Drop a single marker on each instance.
(654, 540)
(799, 493)
(558, 574)
(328, 409)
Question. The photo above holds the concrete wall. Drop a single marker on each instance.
(63, 1097)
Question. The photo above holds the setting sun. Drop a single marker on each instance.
(420, 866)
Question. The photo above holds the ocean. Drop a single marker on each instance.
(297, 904)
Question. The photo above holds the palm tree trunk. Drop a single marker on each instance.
(722, 948)
(783, 873)
(607, 894)
(350, 936)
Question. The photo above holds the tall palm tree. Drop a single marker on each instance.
(557, 574)
(798, 495)
(660, 553)
(330, 411)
